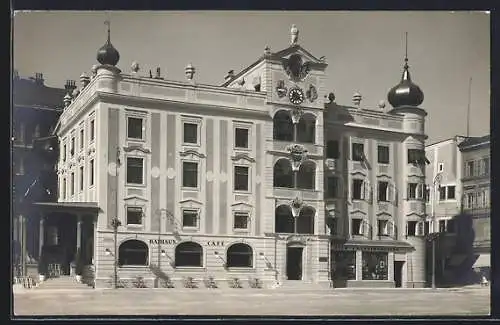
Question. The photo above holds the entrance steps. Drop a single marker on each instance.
(62, 282)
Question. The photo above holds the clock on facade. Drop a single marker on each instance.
(296, 96)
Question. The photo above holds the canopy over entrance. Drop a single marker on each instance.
(67, 207)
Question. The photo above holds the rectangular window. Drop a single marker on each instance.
(469, 203)
(64, 188)
(92, 130)
(64, 151)
(383, 154)
(451, 192)
(189, 174)
(411, 229)
(375, 266)
(241, 138)
(356, 226)
(332, 149)
(486, 164)
(417, 157)
(72, 184)
(72, 147)
(357, 189)
(358, 152)
(81, 178)
(190, 133)
(382, 191)
(135, 170)
(82, 134)
(442, 193)
(412, 191)
(383, 227)
(440, 167)
(190, 218)
(135, 128)
(134, 216)
(427, 227)
(332, 187)
(241, 220)
(240, 178)
(442, 225)
(91, 172)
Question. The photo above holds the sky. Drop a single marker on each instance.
(364, 51)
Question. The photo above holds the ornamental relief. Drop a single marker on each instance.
(298, 154)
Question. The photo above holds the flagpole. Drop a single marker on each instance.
(468, 106)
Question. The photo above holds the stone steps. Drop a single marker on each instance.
(66, 282)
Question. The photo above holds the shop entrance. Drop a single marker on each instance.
(398, 273)
(294, 263)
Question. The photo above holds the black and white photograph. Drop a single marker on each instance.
(250, 163)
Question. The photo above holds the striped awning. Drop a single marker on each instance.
(484, 260)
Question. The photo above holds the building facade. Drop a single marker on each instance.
(35, 111)
(257, 178)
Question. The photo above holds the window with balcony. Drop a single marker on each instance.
(241, 178)
(190, 174)
(284, 220)
(241, 137)
(135, 170)
(306, 176)
(134, 216)
(285, 130)
(135, 128)
(358, 152)
(332, 149)
(383, 154)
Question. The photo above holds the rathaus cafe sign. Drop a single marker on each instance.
(173, 242)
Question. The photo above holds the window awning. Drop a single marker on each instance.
(484, 260)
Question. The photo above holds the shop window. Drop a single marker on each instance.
(239, 255)
(134, 216)
(283, 174)
(241, 178)
(332, 149)
(241, 138)
(135, 170)
(135, 127)
(189, 254)
(375, 266)
(190, 174)
(383, 154)
(133, 252)
(344, 265)
(284, 220)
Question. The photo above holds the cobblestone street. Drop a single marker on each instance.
(409, 302)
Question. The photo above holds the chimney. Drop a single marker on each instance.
(39, 78)
(158, 73)
(229, 76)
(70, 86)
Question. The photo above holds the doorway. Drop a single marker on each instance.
(398, 273)
(294, 263)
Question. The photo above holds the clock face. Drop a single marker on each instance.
(296, 96)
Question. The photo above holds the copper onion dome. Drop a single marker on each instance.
(107, 54)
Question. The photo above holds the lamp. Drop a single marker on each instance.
(107, 252)
(163, 253)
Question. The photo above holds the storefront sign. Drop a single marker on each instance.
(215, 243)
(162, 241)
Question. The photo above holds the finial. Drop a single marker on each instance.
(356, 98)
(295, 35)
(135, 67)
(67, 100)
(267, 51)
(94, 70)
(381, 104)
(331, 97)
(84, 79)
(189, 70)
(107, 22)
(406, 50)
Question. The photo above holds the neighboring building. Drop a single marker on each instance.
(35, 111)
(476, 182)
(255, 178)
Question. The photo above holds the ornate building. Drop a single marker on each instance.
(260, 177)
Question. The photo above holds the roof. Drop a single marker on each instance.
(67, 206)
(26, 92)
(474, 141)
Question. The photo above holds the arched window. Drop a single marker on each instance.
(283, 174)
(284, 220)
(306, 129)
(188, 254)
(239, 255)
(305, 221)
(282, 126)
(306, 175)
(133, 252)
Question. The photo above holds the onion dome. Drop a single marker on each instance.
(406, 93)
(107, 54)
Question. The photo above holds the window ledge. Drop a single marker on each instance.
(134, 267)
(136, 140)
(189, 268)
(241, 230)
(135, 185)
(241, 269)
